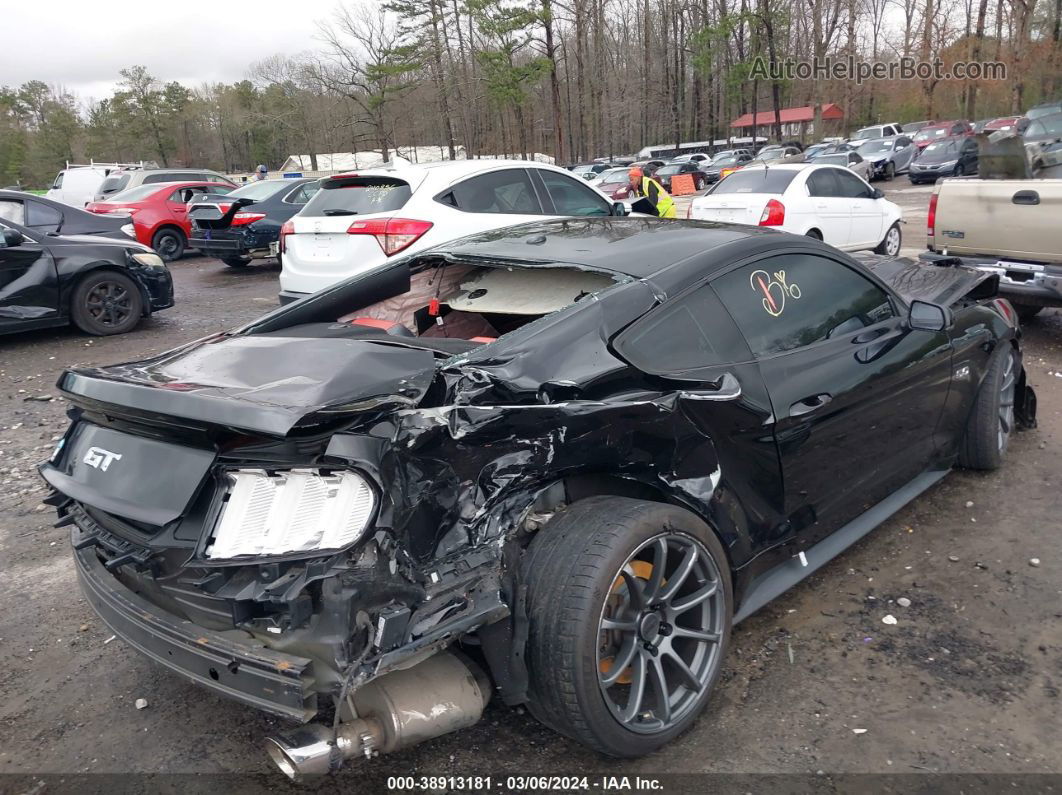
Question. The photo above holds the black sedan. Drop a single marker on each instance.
(245, 224)
(949, 157)
(713, 173)
(664, 174)
(45, 216)
(578, 450)
(101, 285)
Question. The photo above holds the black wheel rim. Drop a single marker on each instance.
(660, 633)
(167, 246)
(109, 304)
(1007, 387)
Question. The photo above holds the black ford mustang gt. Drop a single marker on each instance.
(558, 460)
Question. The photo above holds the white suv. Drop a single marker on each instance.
(356, 222)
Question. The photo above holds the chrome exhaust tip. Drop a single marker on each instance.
(308, 750)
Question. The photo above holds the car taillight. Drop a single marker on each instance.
(242, 219)
(931, 221)
(287, 229)
(393, 234)
(773, 214)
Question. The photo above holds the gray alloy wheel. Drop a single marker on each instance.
(1007, 389)
(891, 243)
(659, 633)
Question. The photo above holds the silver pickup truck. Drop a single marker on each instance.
(1011, 227)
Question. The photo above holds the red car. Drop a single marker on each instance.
(940, 130)
(1004, 123)
(159, 212)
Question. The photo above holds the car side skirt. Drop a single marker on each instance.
(776, 581)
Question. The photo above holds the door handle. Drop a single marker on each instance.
(809, 404)
(1026, 197)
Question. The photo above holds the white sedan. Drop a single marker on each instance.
(357, 222)
(822, 201)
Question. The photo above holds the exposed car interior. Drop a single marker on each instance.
(454, 307)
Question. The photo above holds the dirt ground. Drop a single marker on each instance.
(967, 680)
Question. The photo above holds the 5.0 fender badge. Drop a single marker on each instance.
(100, 459)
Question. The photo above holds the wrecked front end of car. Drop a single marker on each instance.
(308, 515)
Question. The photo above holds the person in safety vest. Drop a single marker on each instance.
(653, 191)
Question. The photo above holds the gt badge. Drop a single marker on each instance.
(100, 459)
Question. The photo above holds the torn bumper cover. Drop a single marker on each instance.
(244, 670)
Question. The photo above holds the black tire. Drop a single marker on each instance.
(890, 171)
(915, 181)
(991, 420)
(890, 244)
(105, 303)
(576, 568)
(236, 262)
(169, 243)
(1027, 312)
(814, 234)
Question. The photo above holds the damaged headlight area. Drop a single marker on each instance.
(268, 513)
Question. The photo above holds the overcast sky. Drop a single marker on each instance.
(81, 44)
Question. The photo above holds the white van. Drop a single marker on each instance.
(77, 185)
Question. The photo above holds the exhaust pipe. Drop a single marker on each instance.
(439, 695)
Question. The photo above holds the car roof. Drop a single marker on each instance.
(631, 246)
(449, 168)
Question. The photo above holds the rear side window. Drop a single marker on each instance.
(41, 215)
(359, 196)
(756, 180)
(152, 178)
(571, 197)
(303, 193)
(114, 183)
(686, 334)
(822, 183)
(508, 191)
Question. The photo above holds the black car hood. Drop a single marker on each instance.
(265, 384)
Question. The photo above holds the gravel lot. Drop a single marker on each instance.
(967, 680)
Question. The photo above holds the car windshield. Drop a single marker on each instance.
(939, 149)
(138, 193)
(1052, 124)
(875, 147)
(929, 135)
(721, 162)
(839, 160)
(358, 195)
(615, 175)
(756, 180)
(261, 190)
(674, 168)
(583, 169)
(869, 132)
(1047, 110)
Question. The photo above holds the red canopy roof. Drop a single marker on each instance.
(789, 115)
